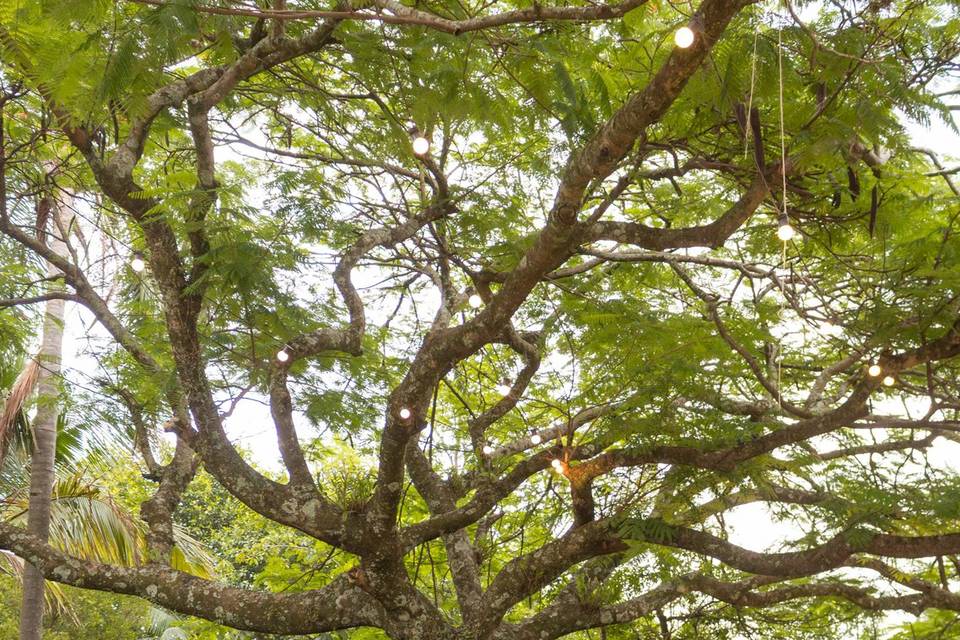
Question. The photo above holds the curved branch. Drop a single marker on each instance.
(565, 618)
(340, 605)
(709, 235)
(53, 295)
(531, 356)
(405, 15)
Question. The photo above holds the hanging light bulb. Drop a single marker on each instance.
(504, 388)
(683, 37)
(889, 381)
(487, 449)
(421, 146)
(282, 355)
(475, 301)
(405, 414)
(536, 439)
(137, 263)
(874, 370)
(784, 231)
(557, 465)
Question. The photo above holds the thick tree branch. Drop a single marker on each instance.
(404, 15)
(340, 605)
(710, 235)
(554, 244)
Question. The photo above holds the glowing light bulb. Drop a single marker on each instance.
(421, 145)
(475, 301)
(684, 37)
(888, 381)
(874, 370)
(405, 414)
(282, 355)
(503, 388)
(137, 263)
(557, 465)
(536, 439)
(487, 449)
(786, 232)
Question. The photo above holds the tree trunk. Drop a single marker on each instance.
(44, 428)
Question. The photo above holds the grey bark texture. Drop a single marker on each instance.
(44, 426)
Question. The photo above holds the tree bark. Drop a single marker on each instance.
(44, 427)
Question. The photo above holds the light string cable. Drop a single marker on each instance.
(784, 215)
(753, 82)
(783, 138)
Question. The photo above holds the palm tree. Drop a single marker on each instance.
(45, 421)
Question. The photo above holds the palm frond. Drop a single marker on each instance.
(56, 600)
(160, 621)
(189, 554)
(88, 527)
(14, 478)
(86, 524)
(13, 404)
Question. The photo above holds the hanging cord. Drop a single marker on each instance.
(783, 173)
(753, 81)
(783, 138)
(782, 318)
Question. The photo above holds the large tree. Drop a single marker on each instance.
(522, 380)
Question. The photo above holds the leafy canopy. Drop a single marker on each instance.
(645, 359)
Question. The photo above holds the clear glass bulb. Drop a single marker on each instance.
(405, 413)
(536, 439)
(786, 233)
(684, 37)
(487, 449)
(421, 145)
(475, 301)
(874, 370)
(557, 465)
(888, 381)
(138, 264)
(282, 355)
